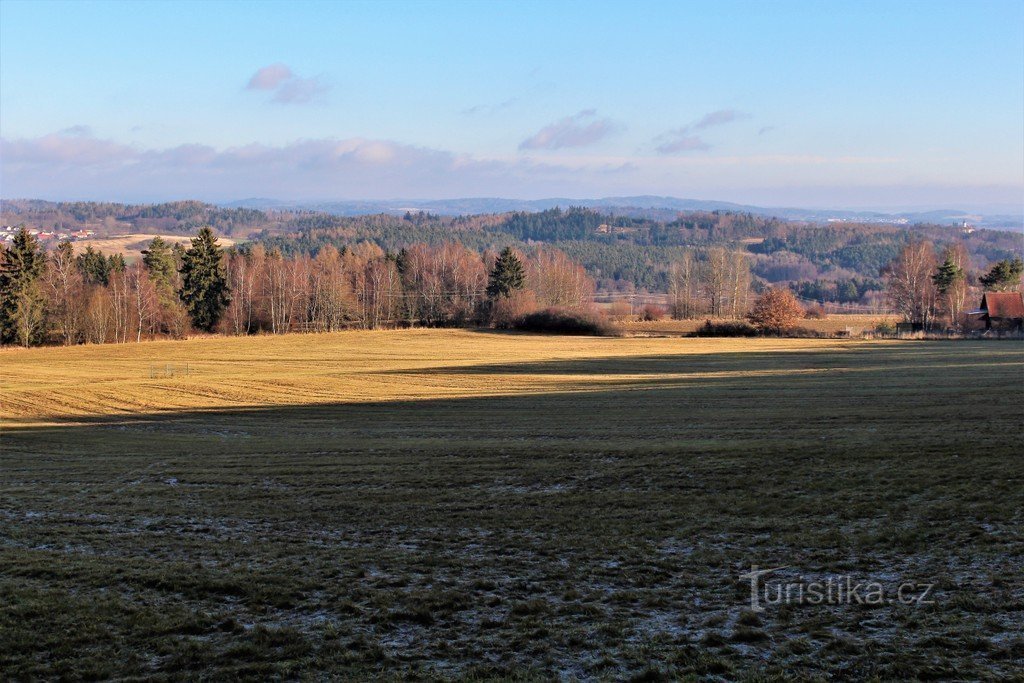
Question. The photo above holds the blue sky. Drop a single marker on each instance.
(777, 103)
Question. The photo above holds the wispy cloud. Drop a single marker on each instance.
(71, 165)
(578, 130)
(270, 77)
(79, 131)
(718, 118)
(90, 167)
(491, 108)
(287, 87)
(681, 141)
(685, 140)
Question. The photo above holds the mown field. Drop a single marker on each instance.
(458, 504)
(131, 246)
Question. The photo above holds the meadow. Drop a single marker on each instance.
(458, 504)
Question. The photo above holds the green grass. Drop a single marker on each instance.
(595, 528)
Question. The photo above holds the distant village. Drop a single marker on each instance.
(8, 232)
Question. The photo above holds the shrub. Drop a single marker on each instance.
(558, 321)
(816, 312)
(885, 328)
(729, 328)
(799, 332)
(776, 310)
(651, 313)
(506, 310)
(620, 310)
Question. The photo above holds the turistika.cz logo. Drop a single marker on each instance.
(840, 589)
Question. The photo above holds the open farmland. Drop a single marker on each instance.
(132, 246)
(454, 504)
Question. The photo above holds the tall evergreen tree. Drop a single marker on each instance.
(508, 275)
(947, 275)
(160, 263)
(116, 263)
(204, 285)
(94, 266)
(22, 302)
(1003, 276)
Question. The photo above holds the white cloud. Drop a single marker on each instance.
(684, 140)
(681, 141)
(718, 118)
(287, 87)
(573, 131)
(270, 77)
(353, 167)
(69, 165)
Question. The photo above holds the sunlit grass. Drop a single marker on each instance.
(448, 503)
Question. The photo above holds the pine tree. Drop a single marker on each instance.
(204, 286)
(22, 304)
(1003, 276)
(508, 275)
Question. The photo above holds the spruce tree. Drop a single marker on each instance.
(507, 276)
(116, 263)
(1003, 276)
(204, 285)
(94, 266)
(22, 304)
(160, 263)
(947, 275)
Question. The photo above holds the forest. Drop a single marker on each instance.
(622, 253)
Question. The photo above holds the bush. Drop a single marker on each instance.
(725, 329)
(620, 310)
(558, 321)
(885, 328)
(776, 310)
(506, 310)
(651, 313)
(816, 312)
(796, 332)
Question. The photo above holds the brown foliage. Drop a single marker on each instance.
(776, 310)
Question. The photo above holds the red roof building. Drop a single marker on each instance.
(1001, 310)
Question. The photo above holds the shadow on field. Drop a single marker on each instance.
(881, 397)
(590, 533)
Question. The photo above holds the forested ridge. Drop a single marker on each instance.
(622, 253)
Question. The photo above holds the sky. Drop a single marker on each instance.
(815, 104)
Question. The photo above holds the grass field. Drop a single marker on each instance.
(448, 503)
(131, 246)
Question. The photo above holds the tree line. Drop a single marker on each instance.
(622, 252)
(70, 298)
(929, 288)
(712, 282)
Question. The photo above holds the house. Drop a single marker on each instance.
(999, 311)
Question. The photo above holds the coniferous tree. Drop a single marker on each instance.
(1003, 276)
(22, 302)
(508, 275)
(94, 266)
(204, 285)
(161, 265)
(116, 263)
(950, 283)
(948, 274)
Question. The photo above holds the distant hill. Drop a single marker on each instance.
(626, 243)
(648, 206)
